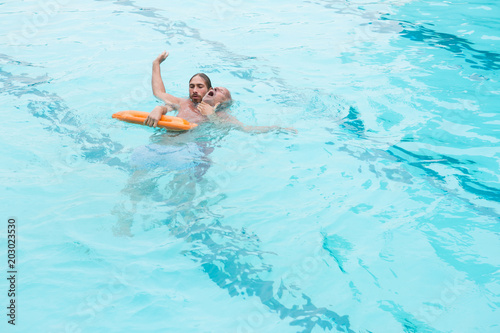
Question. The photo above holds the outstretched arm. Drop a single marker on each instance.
(225, 118)
(157, 82)
(263, 129)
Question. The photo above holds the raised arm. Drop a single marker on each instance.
(157, 82)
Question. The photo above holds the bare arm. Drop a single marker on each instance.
(228, 119)
(155, 115)
(157, 82)
(225, 118)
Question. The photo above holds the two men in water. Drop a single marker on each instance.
(202, 101)
(202, 104)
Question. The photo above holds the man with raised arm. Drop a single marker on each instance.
(202, 104)
(198, 87)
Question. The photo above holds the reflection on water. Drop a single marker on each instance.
(462, 47)
(95, 145)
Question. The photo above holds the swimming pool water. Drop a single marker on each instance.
(380, 215)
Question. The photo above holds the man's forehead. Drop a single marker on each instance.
(197, 80)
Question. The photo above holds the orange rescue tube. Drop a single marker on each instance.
(168, 122)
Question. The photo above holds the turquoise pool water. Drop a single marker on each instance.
(380, 215)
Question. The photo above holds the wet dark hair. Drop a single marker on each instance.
(205, 78)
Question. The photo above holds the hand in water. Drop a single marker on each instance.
(288, 130)
(161, 57)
